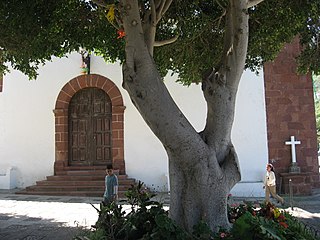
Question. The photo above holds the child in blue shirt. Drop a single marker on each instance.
(111, 183)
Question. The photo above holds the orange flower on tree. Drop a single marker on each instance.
(121, 33)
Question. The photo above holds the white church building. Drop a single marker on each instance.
(37, 125)
(27, 125)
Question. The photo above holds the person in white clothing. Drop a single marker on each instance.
(270, 185)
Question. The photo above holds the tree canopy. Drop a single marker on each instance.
(34, 31)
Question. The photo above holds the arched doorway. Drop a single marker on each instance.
(89, 117)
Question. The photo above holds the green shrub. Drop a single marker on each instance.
(148, 220)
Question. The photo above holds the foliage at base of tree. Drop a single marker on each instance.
(148, 220)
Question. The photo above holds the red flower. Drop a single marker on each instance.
(281, 217)
(121, 33)
(283, 224)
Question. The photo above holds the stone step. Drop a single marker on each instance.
(65, 188)
(82, 173)
(77, 182)
(125, 182)
(91, 168)
(70, 183)
(71, 187)
(84, 178)
(71, 193)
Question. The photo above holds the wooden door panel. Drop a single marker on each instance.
(79, 141)
(90, 128)
(101, 133)
(107, 139)
(107, 153)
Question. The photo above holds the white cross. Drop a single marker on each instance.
(293, 144)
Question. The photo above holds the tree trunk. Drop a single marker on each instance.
(203, 167)
(199, 190)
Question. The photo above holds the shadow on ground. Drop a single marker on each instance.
(22, 227)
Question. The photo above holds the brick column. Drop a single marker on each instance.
(290, 112)
(118, 138)
(61, 139)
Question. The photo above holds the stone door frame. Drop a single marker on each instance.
(61, 120)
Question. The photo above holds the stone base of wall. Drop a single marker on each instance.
(301, 183)
(315, 180)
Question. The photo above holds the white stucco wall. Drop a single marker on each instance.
(249, 135)
(27, 125)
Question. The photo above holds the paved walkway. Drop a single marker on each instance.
(44, 217)
(26, 217)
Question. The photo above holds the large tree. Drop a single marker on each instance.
(207, 42)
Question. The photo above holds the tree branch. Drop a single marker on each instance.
(165, 42)
(153, 14)
(146, 88)
(100, 3)
(150, 19)
(220, 84)
(131, 21)
(149, 26)
(235, 43)
(118, 21)
(252, 3)
(165, 4)
(146, 14)
(159, 9)
(231, 167)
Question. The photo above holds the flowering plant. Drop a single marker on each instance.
(148, 220)
(264, 221)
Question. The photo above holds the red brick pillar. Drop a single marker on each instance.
(290, 112)
(118, 138)
(61, 139)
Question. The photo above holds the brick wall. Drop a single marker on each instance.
(290, 112)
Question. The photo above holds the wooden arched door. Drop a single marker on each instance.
(90, 116)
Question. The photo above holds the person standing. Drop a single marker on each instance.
(111, 186)
(270, 185)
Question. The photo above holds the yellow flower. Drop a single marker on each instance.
(110, 14)
(276, 212)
